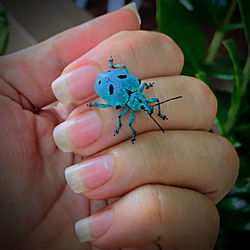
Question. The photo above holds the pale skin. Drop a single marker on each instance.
(167, 184)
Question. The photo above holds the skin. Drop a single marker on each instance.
(170, 190)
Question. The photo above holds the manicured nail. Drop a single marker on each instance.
(94, 226)
(75, 85)
(78, 132)
(90, 174)
(132, 6)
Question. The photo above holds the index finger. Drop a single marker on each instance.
(145, 54)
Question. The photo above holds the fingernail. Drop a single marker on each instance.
(132, 6)
(90, 174)
(94, 226)
(75, 85)
(78, 132)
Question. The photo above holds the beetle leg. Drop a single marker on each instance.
(123, 112)
(147, 85)
(131, 119)
(151, 100)
(111, 65)
(100, 105)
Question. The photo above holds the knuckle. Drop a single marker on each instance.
(231, 166)
(151, 205)
(169, 43)
(226, 163)
(206, 99)
(128, 46)
(154, 45)
(211, 220)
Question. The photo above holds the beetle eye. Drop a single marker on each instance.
(122, 76)
(99, 82)
(111, 89)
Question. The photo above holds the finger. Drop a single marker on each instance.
(61, 111)
(96, 205)
(172, 217)
(89, 130)
(32, 70)
(197, 160)
(145, 53)
(150, 246)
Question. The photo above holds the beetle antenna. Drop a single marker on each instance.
(173, 98)
(156, 122)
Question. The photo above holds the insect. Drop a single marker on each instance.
(122, 90)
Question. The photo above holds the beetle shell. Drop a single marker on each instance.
(115, 87)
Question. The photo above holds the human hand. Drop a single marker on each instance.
(164, 188)
(38, 210)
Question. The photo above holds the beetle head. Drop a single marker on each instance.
(146, 107)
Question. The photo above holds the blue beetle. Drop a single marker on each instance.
(120, 89)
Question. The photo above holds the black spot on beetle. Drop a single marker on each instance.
(99, 82)
(109, 70)
(117, 106)
(142, 107)
(122, 76)
(139, 80)
(111, 89)
(140, 101)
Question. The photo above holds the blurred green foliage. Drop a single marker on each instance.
(186, 21)
(4, 31)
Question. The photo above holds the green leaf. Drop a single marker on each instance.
(244, 173)
(223, 106)
(244, 112)
(243, 128)
(204, 77)
(245, 16)
(235, 143)
(238, 210)
(180, 24)
(231, 27)
(245, 107)
(220, 68)
(4, 31)
(236, 206)
(242, 134)
(242, 191)
(210, 12)
(234, 211)
(231, 48)
(232, 239)
(3, 17)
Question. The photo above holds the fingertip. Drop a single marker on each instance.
(60, 135)
(132, 6)
(95, 226)
(61, 90)
(76, 85)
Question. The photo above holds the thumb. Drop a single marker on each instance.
(31, 71)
